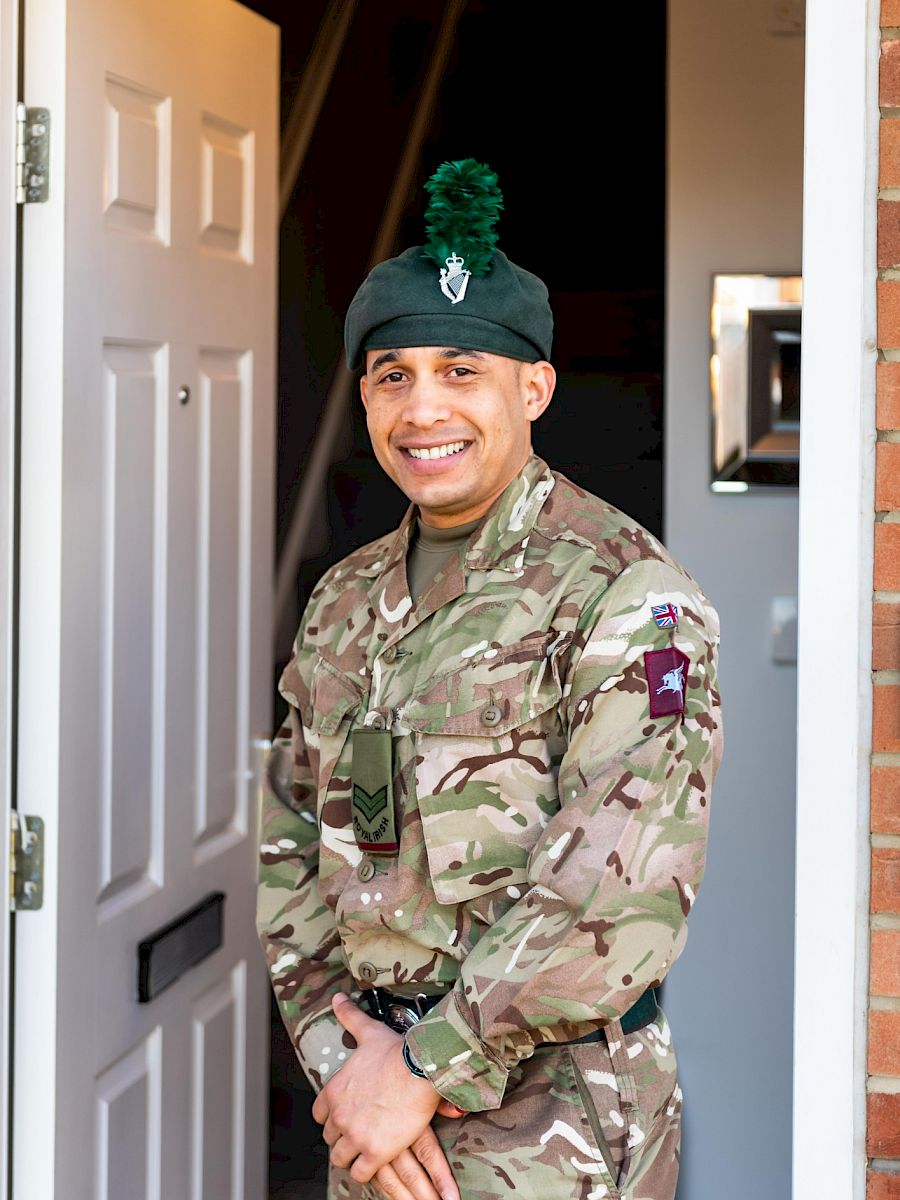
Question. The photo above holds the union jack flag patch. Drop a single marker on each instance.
(665, 615)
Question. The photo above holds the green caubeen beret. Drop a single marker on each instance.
(456, 290)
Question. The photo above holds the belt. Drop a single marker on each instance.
(399, 1012)
(642, 1012)
(402, 1012)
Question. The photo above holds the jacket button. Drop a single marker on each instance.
(491, 715)
(376, 721)
(390, 654)
(366, 870)
(366, 972)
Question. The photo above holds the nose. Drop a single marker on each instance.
(425, 404)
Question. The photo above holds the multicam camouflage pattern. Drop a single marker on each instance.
(576, 1121)
(552, 833)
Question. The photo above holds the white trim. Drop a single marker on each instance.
(9, 84)
(835, 598)
(37, 1026)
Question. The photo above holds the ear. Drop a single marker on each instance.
(538, 382)
(363, 390)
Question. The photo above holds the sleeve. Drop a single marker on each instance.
(616, 870)
(296, 929)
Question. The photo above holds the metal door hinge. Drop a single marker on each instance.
(32, 155)
(26, 862)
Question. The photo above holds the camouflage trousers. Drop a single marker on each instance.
(594, 1121)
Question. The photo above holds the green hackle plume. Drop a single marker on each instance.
(465, 203)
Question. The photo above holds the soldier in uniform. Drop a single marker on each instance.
(486, 824)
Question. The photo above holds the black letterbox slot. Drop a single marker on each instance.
(180, 945)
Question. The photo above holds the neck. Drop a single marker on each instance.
(443, 520)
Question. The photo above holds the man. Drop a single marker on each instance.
(503, 731)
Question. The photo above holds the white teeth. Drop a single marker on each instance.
(438, 451)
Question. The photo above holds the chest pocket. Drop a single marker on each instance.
(335, 702)
(327, 711)
(488, 746)
(326, 714)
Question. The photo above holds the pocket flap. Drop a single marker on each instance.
(334, 697)
(494, 691)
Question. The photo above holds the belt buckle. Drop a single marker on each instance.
(401, 1017)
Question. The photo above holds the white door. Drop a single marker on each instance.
(149, 303)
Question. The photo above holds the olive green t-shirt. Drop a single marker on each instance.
(430, 551)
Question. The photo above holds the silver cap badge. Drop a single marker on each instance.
(454, 280)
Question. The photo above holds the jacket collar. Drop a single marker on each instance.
(498, 542)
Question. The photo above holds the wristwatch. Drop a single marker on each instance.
(411, 1062)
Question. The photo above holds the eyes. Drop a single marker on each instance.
(395, 377)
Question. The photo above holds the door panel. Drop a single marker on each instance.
(226, 196)
(138, 156)
(132, 516)
(152, 415)
(218, 1083)
(225, 397)
(129, 1105)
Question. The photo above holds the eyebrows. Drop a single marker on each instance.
(446, 352)
(457, 352)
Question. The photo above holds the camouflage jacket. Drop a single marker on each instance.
(551, 832)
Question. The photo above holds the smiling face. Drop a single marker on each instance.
(452, 427)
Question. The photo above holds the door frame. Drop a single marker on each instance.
(835, 571)
(840, 176)
(9, 94)
(36, 1027)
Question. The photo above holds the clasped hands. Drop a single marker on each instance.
(376, 1115)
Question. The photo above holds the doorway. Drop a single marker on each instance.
(575, 128)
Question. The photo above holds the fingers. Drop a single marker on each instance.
(320, 1108)
(446, 1109)
(364, 1168)
(330, 1133)
(390, 1185)
(353, 1019)
(429, 1153)
(404, 1179)
(419, 1173)
(343, 1153)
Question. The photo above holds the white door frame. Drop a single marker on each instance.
(40, 534)
(835, 598)
(835, 584)
(9, 83)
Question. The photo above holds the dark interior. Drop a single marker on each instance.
(568, 106)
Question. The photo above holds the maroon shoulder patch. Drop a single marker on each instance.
(666, 675)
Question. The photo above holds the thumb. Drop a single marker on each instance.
(352, 1018)
(446, 1109)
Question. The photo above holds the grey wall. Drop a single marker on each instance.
(735, 112)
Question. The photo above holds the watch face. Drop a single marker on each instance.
(401, 1018)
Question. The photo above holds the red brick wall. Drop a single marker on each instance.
(883, 1097)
